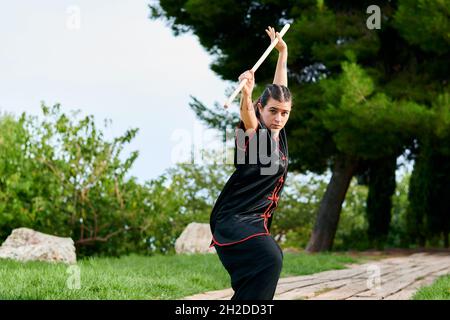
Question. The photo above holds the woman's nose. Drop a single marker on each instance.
(278, 117)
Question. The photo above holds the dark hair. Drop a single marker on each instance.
(277, 92)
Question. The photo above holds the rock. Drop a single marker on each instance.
(195, 238)
(24, 244)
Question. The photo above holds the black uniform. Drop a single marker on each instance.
(241, 218)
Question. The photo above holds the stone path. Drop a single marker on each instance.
(396, 278)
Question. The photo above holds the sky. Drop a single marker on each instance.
(108, 59)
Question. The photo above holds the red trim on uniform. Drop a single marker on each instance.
(266, 215)
(274, 198)
(242, 240)
(284, 156)
(252, 134)
(246, 144)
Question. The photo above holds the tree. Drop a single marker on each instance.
(361, 95)
(428, 215)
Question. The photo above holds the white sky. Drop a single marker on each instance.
(117, 64)
(106, 58)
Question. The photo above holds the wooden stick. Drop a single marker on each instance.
(256, 66)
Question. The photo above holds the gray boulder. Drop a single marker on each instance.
(25, 244)
(195, 238)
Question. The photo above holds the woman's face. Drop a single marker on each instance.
(275, 114)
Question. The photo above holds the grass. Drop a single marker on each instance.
(438, 290)
(140, 277)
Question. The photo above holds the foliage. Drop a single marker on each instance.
(61, 176)
(368, 94)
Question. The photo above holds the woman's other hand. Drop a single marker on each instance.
(248, 87)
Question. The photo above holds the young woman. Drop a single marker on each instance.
(241, 218)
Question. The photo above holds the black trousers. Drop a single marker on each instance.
(254, 266)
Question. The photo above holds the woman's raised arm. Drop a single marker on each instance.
(280, 77)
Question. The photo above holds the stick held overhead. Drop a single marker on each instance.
(256, 66)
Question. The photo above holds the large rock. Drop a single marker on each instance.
(195, 238)
(25, 244)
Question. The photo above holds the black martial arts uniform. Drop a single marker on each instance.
(241, 218)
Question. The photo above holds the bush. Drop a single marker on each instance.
(60, 176)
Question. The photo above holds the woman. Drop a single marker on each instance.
(241, 218)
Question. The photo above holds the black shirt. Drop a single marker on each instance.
(244, 207)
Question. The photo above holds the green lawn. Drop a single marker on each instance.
(140, 277)
(439, 290)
